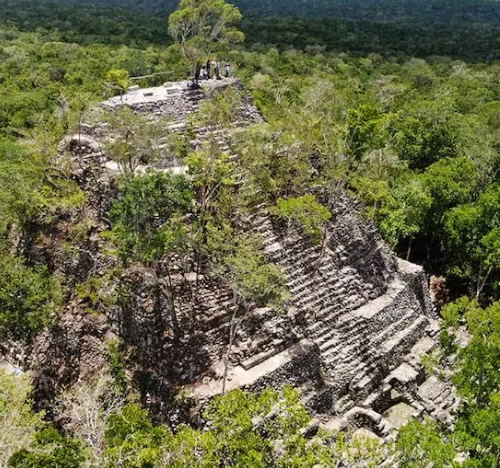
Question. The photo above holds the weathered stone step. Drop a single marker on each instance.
(404, 338)
(375, 306)
(353, 360)
(408, 336)
(219, 317)
(321, 339)
(241, 377)
(339, 348)
(263, 356)
(327, 320)
(391, 331)
(354, 324)
(317, 297)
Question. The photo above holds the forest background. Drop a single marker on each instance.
(400, 106)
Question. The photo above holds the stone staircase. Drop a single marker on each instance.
(177, 105)
(355, 312)
(354, 328)
(361, 331)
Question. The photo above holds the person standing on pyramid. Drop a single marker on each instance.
(209, 69)
(217, 69)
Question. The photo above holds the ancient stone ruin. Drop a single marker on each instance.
(353, 335)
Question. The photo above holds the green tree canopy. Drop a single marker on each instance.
(28, 299)
(51, 450)
(18, 422)
(478, 381)
(144, 213)
(406, 213)
(20, 176)
(423, 136)
(306, 211)
(364, 130)
(200, 25)
(132, 440)
(253, 279)
(473, 239)
(243, 430)
(420, 445)
(118, 78)
(134, 139)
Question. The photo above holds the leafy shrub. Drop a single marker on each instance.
(306, 211)
(18, 422)
(51, 450)
(28, 298)
(141, 214)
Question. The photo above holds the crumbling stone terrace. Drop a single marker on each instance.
(359, 322)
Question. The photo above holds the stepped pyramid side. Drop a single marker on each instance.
(359, 320)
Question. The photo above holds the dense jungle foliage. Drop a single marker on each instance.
(465, 29)
(395, 115)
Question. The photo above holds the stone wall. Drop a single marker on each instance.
(303, 367)
(353, 334)
(356, 311)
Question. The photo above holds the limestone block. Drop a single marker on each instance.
(10, 369)
(336, 425)
(423, 346)
(344, 404)
(362, 417)
(400, 414)
(404, 374)
(363, 433)
(431, 389)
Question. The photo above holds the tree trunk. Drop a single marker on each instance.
(196, 74)
(428, 257)
(232, 336)
(171, 297)
(159, 323)
(198, 270)
(482, 283)
(324, 243)
(187, 285)
(408, 252)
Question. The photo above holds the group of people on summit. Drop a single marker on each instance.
(212, 69)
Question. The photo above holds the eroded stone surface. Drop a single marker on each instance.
(364, 433)
(400, 414)
(357, 326)
(404, 374)
(360, 320)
